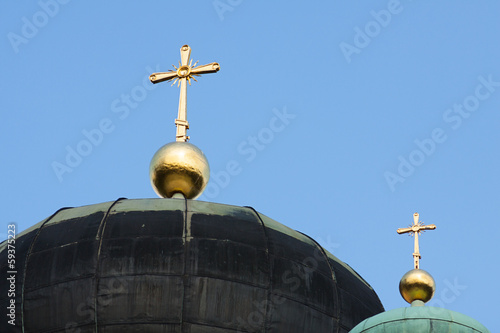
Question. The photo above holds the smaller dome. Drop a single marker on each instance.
(420, 319)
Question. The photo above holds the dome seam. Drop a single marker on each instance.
(185, 239)
(27, 260)
(334, 279)
(99, 238)
(271, 271)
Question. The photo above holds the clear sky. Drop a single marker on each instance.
(343, 119)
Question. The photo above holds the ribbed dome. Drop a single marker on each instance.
(420, 319)
(173, 265)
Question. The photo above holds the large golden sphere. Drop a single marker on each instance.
(179, 167)
(417, 284)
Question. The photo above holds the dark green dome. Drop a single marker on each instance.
(174, 265)
(420, 319)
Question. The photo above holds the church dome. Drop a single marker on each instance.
(175, 265)
(420, 319)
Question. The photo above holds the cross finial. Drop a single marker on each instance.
(183, 74)
(414, 230)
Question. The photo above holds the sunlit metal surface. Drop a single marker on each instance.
(183, 75)
(414, 230)
(179, 167)
(417, 284)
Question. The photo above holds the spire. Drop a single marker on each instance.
(417, 286)
(183, 75)
(180, 169)
(414, 230)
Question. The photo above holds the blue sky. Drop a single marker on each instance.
(344, 119)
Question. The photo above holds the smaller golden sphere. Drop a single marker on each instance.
(417, 284)
(179, 167)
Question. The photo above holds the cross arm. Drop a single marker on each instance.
(428, 227)
(404, 230)
(161, 77)
(206, 69)
(185, 55)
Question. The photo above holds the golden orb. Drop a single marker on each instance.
(417, 284)
(179, 167)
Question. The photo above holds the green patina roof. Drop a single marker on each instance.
(420, 319)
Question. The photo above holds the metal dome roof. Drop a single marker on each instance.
(420, 319)
(173, 265)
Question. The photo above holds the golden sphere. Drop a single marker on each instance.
(417, 284)
(179, 167)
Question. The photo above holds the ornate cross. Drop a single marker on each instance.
(415, 229)
(183, 74)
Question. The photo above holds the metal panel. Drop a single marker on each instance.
(229, 260)
(55, 306)
(139, 299)
(220, 303)
(292, 316)
(147, 255)
(22, 244)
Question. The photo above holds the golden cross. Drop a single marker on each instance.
(415, 229)
(184, 73)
